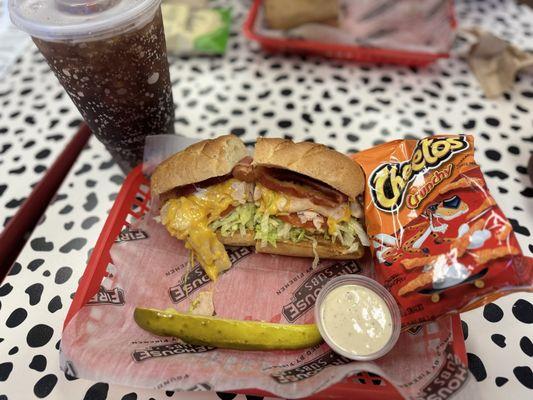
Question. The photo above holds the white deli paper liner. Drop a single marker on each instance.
(150, 269)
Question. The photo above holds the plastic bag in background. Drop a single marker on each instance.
(193, 28)
(407, 25)
(157, 148)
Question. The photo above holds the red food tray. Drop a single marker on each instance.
(132, 203)
(340, 51)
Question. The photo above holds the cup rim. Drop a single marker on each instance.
(83, 29)
(359, 280)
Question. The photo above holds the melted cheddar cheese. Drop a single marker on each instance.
(333, 222)
(187, 218)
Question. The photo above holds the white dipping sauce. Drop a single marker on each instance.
(356, 319)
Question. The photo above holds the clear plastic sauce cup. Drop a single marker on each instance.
(357, 317)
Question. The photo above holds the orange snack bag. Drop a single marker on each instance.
(440, 242)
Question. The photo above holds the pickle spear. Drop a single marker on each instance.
(227, 333)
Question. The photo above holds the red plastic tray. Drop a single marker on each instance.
(340, 51)
(132, 203)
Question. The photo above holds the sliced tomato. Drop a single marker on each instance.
(294, 220)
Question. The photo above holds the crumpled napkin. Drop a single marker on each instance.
(494, 62)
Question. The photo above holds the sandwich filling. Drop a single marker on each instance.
(195, 218)
(295, 208)
(271, 204)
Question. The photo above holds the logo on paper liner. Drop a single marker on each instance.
(127, 235)
(448, 381)
(305, 296)
(310, 368)
(104, 296)
(167, 350)
(196, 278)
(389, 182)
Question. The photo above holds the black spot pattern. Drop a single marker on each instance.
(476, 367)
(83, 169)
(499, 340)
(62, 275)
(38, 363)
(55, 304)
(65, 210)
(5, 371)
(464, 327)
(520, 229)
(493, 155)
(40, 244)
(89, 222)
(492, 312)
(34, 292)
(5, 289)
(527, 346)
(73, 244)
(500, 381)
(129, 396)
(34, 264)
(527, 192)
(107, 164)
(39, 335)
(250, 397)
(91, 202)
(16, 318)
(45, 385)
(226, 396)
(523, 311)
(524, 374)
(377, 96)
(15, 269)
(98, 391)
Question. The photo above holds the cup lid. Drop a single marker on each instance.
(74, 20)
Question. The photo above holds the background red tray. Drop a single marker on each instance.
(339, 51)
(132, 203)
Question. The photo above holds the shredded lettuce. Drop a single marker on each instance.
(348, 232)
(316, 259)
(269, 230)
(241, 219)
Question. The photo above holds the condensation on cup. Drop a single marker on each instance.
(110, 56)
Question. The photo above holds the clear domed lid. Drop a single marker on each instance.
(75, 20)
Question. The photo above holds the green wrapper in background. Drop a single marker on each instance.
(191, 30)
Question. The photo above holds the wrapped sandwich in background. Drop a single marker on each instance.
(407, 25)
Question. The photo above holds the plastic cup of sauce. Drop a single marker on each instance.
(357, 317)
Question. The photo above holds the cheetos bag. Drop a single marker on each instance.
(440, 242)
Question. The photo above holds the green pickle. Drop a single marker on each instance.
(227, 333)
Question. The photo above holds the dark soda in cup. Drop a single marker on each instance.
(110, 56)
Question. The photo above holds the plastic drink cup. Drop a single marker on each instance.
(110, 56)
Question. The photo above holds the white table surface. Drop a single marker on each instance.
(347, 106)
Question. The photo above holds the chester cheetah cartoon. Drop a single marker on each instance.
(389, 248)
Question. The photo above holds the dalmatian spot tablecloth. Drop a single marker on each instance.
(249, 93)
